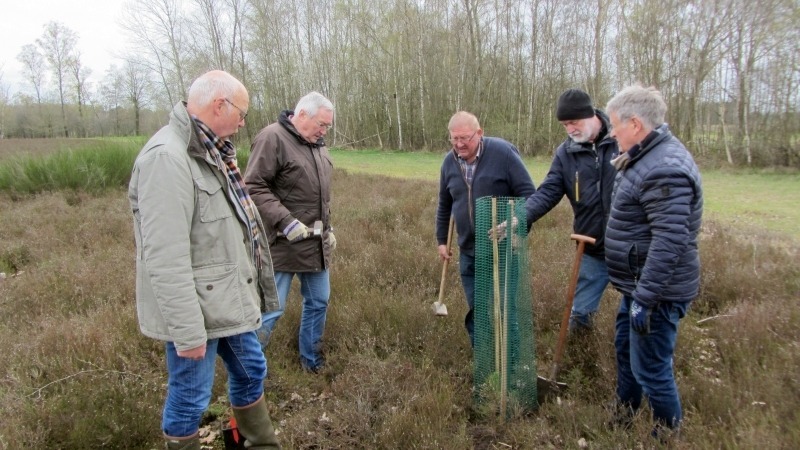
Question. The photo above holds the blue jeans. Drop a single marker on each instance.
(467, 267)
(644, 362)
(189, 382)
(592, 282)
(316, 290)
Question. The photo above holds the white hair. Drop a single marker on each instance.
(646, 103)
(311, 103)
(212, 85)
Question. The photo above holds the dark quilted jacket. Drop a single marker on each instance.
(651, 239)
(583, 173)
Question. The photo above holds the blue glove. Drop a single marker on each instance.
(640, 317)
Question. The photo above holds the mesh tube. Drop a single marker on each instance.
(505, 351)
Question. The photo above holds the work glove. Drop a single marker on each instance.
(499, 232)
(331, 241)
(640, 317)
(295, 231)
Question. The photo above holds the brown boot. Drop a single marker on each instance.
(256, 427)
(183, 443)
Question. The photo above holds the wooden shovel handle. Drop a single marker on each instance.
(450, 231)
(573, 282)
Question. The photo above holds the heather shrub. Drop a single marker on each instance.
(78, 374)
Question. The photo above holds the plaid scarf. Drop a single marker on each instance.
(224, 155)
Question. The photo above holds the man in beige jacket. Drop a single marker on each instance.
(203, 271)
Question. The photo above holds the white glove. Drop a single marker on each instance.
(332, 240)
(499, 232)
(295, 231)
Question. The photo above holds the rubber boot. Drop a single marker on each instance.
(256, 427)
(183, 443)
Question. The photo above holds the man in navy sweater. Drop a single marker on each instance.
(476, 166)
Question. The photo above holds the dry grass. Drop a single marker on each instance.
(78, 374)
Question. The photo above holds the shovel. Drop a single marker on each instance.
(439, 308)
(544, 386)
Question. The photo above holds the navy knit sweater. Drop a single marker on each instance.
(500, 172)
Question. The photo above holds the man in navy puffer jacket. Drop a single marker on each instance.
(651, 252)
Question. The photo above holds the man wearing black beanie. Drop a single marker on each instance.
(574, 104)
(581, 170)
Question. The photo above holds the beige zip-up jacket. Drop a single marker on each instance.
(195, 277)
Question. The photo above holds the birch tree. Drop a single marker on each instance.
(157, 28)
(57, 44)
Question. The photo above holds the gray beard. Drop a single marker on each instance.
(582, 139)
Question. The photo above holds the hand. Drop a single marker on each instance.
(640, 317)
(196, 353)
(295, 231)
(331, 241)
(444, 254)
(499, 232)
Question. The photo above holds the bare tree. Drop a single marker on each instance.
(601, 31)
(58, 45)
(135, 84)
(212, 28)
(112, 96)
(79, 75)
(707, 24)
(3, 102)
(751, 44)
(34, 71)
(33, 67)
(398, 69)
(157, 28)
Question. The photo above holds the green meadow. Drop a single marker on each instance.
(756, 201)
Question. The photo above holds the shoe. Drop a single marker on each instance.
(621, 417)
(312, 369)
(665, 435)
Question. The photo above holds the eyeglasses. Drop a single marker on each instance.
(242, 113)
(326, 126)
(460, 140)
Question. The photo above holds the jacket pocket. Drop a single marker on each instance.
(633, 261)
(211, 200)
(220, 295)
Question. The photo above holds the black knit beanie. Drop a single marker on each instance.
(574, 104)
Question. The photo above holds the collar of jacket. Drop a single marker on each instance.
(458, 159)
(603, 136)
(285, 120)
(183, 121)
(654, 138)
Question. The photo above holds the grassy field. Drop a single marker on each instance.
(756, 202)
(78, 374)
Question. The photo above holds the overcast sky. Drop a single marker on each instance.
(95, 22)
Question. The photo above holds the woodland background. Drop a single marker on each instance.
(397, 69)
